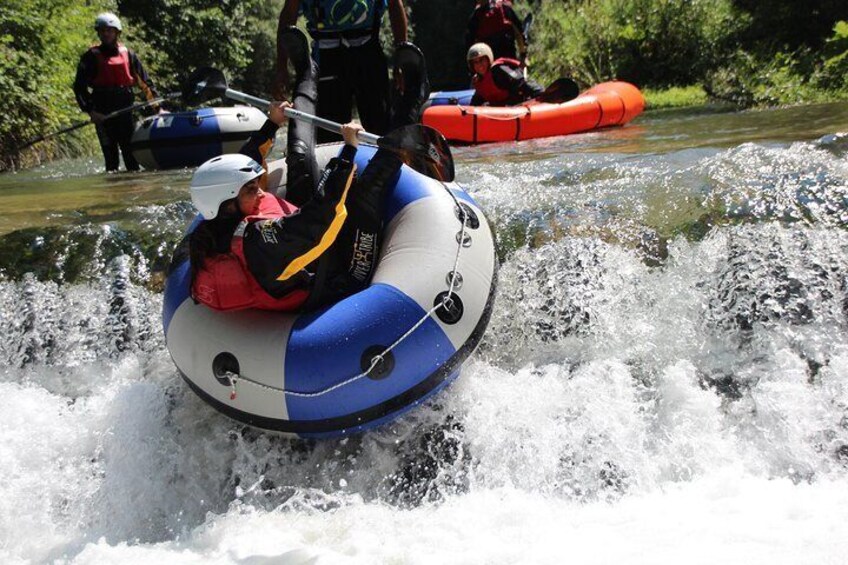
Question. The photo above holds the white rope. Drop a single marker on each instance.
(446, 302)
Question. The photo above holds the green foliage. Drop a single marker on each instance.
(787, 25)
(40, 44)
(674, 97)
(647, 42)
(833, 73)
(175, 36)
(800, 76)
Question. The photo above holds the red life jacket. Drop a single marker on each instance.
(486, 87)
(225, 283)
(113, 71)
(493, 21)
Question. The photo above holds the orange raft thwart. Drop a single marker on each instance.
(607, 104)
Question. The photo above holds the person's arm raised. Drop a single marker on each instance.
(288, 18)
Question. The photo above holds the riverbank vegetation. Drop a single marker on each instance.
(742, 52)
(739, 52)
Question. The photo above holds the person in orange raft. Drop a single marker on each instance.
(498, 82)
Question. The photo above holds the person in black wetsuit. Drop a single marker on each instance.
(351, 63)
(104, 83)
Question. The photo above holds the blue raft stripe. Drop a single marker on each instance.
(388, 417)
(326, 347)
(176, 292)
(177, 283)
(202, 122)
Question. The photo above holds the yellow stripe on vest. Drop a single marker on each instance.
(299, 263)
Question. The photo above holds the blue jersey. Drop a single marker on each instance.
(341, 16)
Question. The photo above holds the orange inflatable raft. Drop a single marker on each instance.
(607, 104)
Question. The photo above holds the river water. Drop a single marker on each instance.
(664, 379)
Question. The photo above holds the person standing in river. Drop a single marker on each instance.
(351, 63)
(496, 24)
(104, 83)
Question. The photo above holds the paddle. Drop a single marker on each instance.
(560, 90)
(420, 147)
(78, 125)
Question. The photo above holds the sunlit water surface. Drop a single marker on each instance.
(663, 379)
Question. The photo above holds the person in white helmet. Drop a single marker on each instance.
(498, 82)
(256, 250)
(106, 76)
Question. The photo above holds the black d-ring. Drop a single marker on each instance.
(383, 368)
(450, 307)
(471, 219)
(224, 365)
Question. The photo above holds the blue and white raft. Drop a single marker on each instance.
(189, 139)
(362, 361)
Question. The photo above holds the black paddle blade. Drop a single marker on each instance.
(421, 148)
(203, 84)
(560, 90)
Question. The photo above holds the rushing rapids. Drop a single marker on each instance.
(666, 366)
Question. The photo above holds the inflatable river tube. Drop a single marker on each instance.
(607, 104)
(304, 374)
(189, 139)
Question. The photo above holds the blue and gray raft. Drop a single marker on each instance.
(189, 139)
(366, 359)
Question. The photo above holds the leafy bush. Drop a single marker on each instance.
(175, 36)
(647, 42)
(833, 73)
(40, 44)
(800, 76)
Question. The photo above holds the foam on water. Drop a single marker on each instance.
(632, 402)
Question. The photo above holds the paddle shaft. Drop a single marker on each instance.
(139, 106)
(72, 127)
(328, 125)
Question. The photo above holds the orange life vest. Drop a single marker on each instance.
(493, 21)
(113, 71)
(486, 87)
(225, 283)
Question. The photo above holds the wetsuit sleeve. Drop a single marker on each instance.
(260, 143)
(512, 79)
(86, 69)
(278, 251)
(141, 79)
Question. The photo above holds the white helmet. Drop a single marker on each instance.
(480, 50)
(107, 19)
(220, 179)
